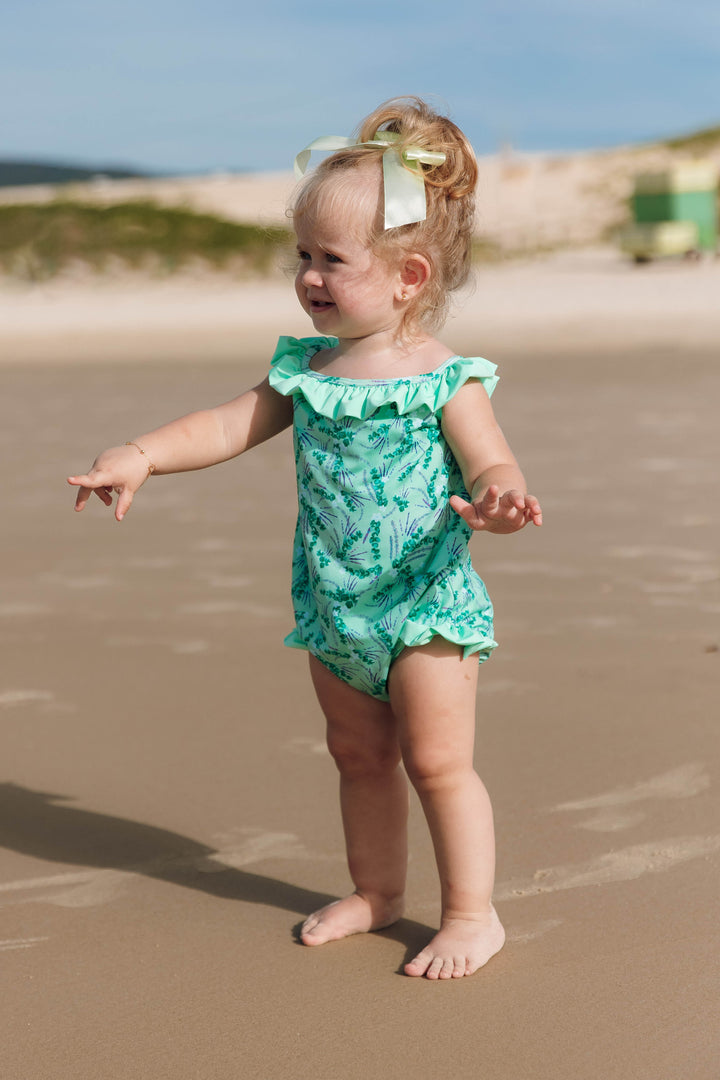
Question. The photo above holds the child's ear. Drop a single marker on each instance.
(415, 272)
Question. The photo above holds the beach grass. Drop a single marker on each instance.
(697, 142)
(38, 241)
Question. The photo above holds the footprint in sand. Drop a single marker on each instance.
(11, 698)
(518, 936)
(627, 864)
(611, 812)
(20, 943)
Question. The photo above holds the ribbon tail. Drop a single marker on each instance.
(325, 142)
(404, 191)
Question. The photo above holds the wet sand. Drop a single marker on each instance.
(169, 812)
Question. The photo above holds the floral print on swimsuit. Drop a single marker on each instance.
(380, 560)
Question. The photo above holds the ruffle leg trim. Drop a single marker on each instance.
(414, 634)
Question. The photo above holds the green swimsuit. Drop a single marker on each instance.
(381, 559)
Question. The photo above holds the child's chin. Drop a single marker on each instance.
(323, 321)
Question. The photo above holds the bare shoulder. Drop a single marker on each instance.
(470, 403)
(428, 354)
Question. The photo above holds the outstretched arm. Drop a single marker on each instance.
(193, 442)
(498, 498)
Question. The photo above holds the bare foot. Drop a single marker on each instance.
(355, 914)
(461, 946)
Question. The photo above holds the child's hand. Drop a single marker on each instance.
(121, 470)
(506, 513)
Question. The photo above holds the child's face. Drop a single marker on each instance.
(347, 291)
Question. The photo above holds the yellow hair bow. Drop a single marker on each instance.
(403, 179)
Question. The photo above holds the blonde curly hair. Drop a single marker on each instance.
(444, 238)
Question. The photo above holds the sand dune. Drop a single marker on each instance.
(525, 201)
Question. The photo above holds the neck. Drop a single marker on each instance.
(385, 347)
(380, 357)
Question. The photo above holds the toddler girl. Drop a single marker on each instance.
(399, 457)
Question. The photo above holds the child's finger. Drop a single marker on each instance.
(512, 500)
(468, 512)
(83, 480)
(459, 505)
(89, 481)
(533, 509)
(491, 500)
(125, 499)
(82, 497)
(87, 484)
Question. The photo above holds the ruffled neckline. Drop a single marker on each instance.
(336, 396)
(330, 343)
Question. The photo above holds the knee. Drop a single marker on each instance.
(434, 771)
(356, 758)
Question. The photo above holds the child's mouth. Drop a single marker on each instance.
(317, 306)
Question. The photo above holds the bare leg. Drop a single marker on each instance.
(362, 739)
(432, 691)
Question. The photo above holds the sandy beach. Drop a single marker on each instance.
(169, 811)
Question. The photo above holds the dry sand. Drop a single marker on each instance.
(168, 808)
(572, 297)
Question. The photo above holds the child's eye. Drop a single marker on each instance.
(332, 258)
(303, 254)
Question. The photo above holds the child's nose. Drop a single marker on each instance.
(311, 277)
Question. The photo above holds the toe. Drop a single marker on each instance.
(312, 931)
(419, 965)
(435, 968)
(309, 926)
(309, 937)
(447, 969)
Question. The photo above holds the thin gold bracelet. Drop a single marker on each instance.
(150, 466)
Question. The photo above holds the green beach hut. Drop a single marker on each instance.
(675, 212)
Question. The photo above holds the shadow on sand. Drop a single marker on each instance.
(43, 826)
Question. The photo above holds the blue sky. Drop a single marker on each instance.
(190, 86)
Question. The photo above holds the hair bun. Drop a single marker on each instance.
(418, 125)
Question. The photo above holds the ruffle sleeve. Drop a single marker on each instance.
(290, 374)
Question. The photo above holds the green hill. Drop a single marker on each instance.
(20, 173)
